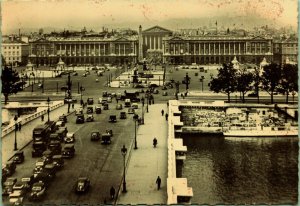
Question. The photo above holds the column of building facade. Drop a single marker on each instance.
(255, 51)
(150, 45)
(260, 48)
(154, 42)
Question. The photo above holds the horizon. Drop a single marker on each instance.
(95, 14)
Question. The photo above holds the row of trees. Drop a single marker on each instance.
(274, 78)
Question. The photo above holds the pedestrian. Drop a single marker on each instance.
(16, 127)
(167, 116)
(167, 104)
(162, 112)
(154, 142)
(158, 181)
(117, 100)
(42, 117)
(112, 192)
(72, 105)
(20, 126)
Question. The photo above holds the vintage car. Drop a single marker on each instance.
(98, 110)
(10, 168)
(90, 101)
(95, 136)
(134, 106)
(105, 106)
(112, 118)
(27, 182)
(123, 115)
(63, 118)
(90, 118)
(131, 111)
(119, 107)
(70, 137)
(18, 157)
(38, 191)
(58, 161)
(55, 147)
(106, 138)
(90, 110)
(16, 197)
(38, 149)
(80, 119)
(8, 185)
(68, 151)
(82, 185)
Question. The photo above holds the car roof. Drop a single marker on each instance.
(82, 178)
(56, 156)
(68, 145)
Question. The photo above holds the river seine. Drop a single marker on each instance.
(241, 170)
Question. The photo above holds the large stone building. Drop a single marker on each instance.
(159, 45)
(84, 50)
(15, 51)
(216, 49)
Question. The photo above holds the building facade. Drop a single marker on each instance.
(84, 50)
(216, 49)
(15, 51)
(286, 51)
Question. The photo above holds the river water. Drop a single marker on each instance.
(241, 170)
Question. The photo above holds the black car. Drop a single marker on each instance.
(80, 119)
(68, 151)
(10, 168)
(58, 161)
(95, 136)
(38, 191)
(63, 118)
(112, 118)
(90, 101)
(19, 157)
(38, 149)
(82, 185)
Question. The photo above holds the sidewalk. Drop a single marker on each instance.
(25, 135)
(146, 163)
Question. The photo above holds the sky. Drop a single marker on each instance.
(98, 13)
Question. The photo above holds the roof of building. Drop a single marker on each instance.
(215, 37)
(157, 29)
(13, 41)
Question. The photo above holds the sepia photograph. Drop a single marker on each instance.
(149, 102)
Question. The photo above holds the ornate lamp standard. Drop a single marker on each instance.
(48, 111)
(124, 152)
(15, 145)
(143, 103)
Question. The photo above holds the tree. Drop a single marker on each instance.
(225, 81)
(244, 80)
(289, 80)
(271, 78)
(10, 82)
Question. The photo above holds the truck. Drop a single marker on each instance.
(132, 95)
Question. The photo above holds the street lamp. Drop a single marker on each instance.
(48, 111)
(81, 89)
(15, 118)
(143, 103)
(202, 80)
(147, 97)
(124, 152)
(135, 117)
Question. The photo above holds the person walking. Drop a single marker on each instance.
(167, 116)
(162, 112)
(112, 192)
(158, 182)
(72, 105)
(16, 127)
(154, 142)
(20, 126)
(42, 117)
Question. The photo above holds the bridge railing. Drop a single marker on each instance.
(31, 117)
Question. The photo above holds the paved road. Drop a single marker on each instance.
(103, 164)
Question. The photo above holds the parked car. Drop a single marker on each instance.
(90, 118)
(38, 191)
(80, 119)
(10, 168)
(68, 151)
(82, 185)
(17, 197)
(109, 100)
(89, 110)
(95, 136)
(8, 185)
(165, 94)
(19, 157)
(27, 182)
(70, 137)
(119, 107)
